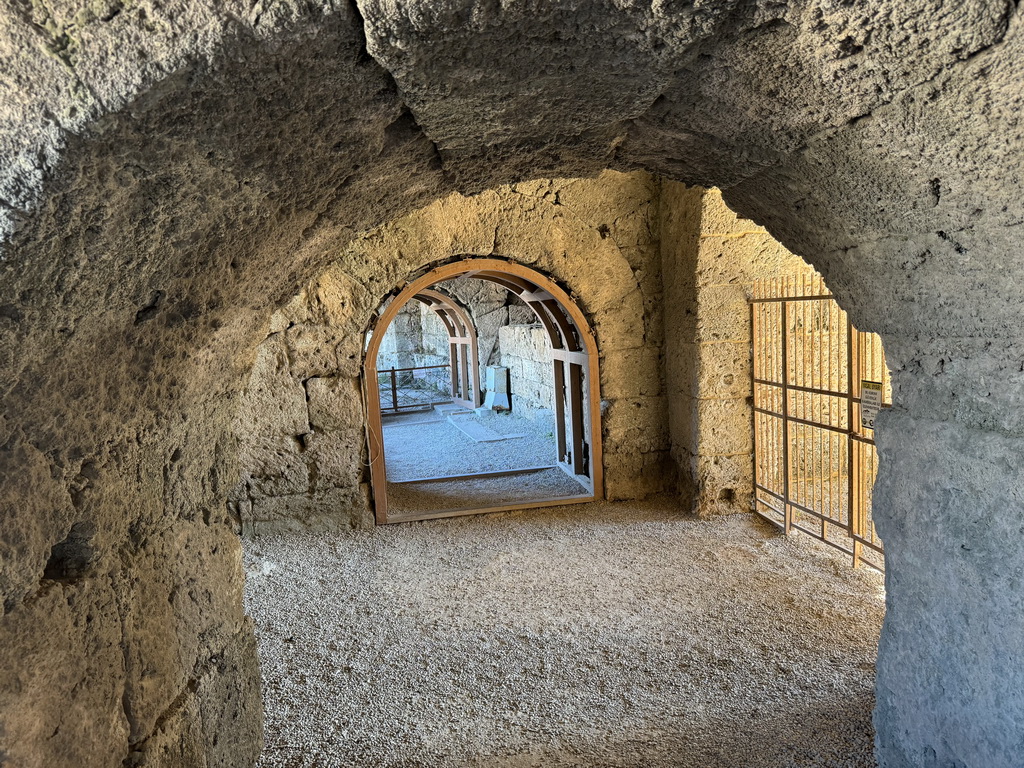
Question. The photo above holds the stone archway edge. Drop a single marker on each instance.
(462, 340)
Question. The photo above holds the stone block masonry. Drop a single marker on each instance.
(526, 352)
(171, 174)
(300, 425)
(710, 260)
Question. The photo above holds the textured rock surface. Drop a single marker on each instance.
(711, 258)
(173, 172)
(598, 238)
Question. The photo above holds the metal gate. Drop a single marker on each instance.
(814, 453)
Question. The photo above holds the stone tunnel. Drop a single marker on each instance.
(175, 173)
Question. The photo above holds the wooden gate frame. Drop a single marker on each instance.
(574, 359)
(462, 345)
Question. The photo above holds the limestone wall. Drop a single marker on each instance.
(711, 258)
(416, 337)
(301, 425)
(173, 173)
(526, 352)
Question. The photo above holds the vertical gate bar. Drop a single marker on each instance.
(559, 382)
(394, 391)
(826, 409)
(787, 509)
(753, 391)
(853, 372)
(802, 344)
(579, 464)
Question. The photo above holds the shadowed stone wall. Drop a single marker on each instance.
(526, 352)
(711, 258)
(173, 173)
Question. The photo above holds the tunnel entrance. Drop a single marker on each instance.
(575, 405)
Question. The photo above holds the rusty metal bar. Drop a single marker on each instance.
(754, 339)
(787, 510)
(805, 422)
(416, 368)
(775, 299)
(809, 390)
(813, 421)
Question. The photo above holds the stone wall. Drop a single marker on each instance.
(526, 352)
(301, 426)
(711, 258)
(416, 337)
(173, 173)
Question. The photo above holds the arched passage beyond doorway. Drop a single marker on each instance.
(462, 343)
(575, 368)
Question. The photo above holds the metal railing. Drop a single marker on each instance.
(814, 455)
(410, 388)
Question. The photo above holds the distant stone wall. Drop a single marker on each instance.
(415, 338)
(526, 352)
(711, 258)
(301, 427)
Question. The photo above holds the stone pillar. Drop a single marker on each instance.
(948, 502)
(711, 258)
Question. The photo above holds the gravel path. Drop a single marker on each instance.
(481, 492)
(602, 635)
(432, 448)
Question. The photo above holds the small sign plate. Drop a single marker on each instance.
(870, 402)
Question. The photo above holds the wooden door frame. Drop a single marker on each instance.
(462, 345)
(574, 356)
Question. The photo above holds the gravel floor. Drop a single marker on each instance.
(481, 492)
(591, 635)
(415, 447)
(422, 445)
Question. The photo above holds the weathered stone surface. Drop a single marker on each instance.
(336, 509)
(724, 426)
(334, 403)
(63, 674)
(722, 483)
(970, 562)
(712, 258)
(173, 174)
(525, 351)
(716, 370)
(315, 477)
(198, 598)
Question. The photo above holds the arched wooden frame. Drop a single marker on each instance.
(462, 344)
(576, 377)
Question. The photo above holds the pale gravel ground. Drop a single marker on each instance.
(481, 492)
(421, 445)
(592, 635)
(417, 446)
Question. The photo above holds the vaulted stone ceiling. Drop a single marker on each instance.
(173, 171)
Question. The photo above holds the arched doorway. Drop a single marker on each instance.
(462, 344)
(574, 359)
